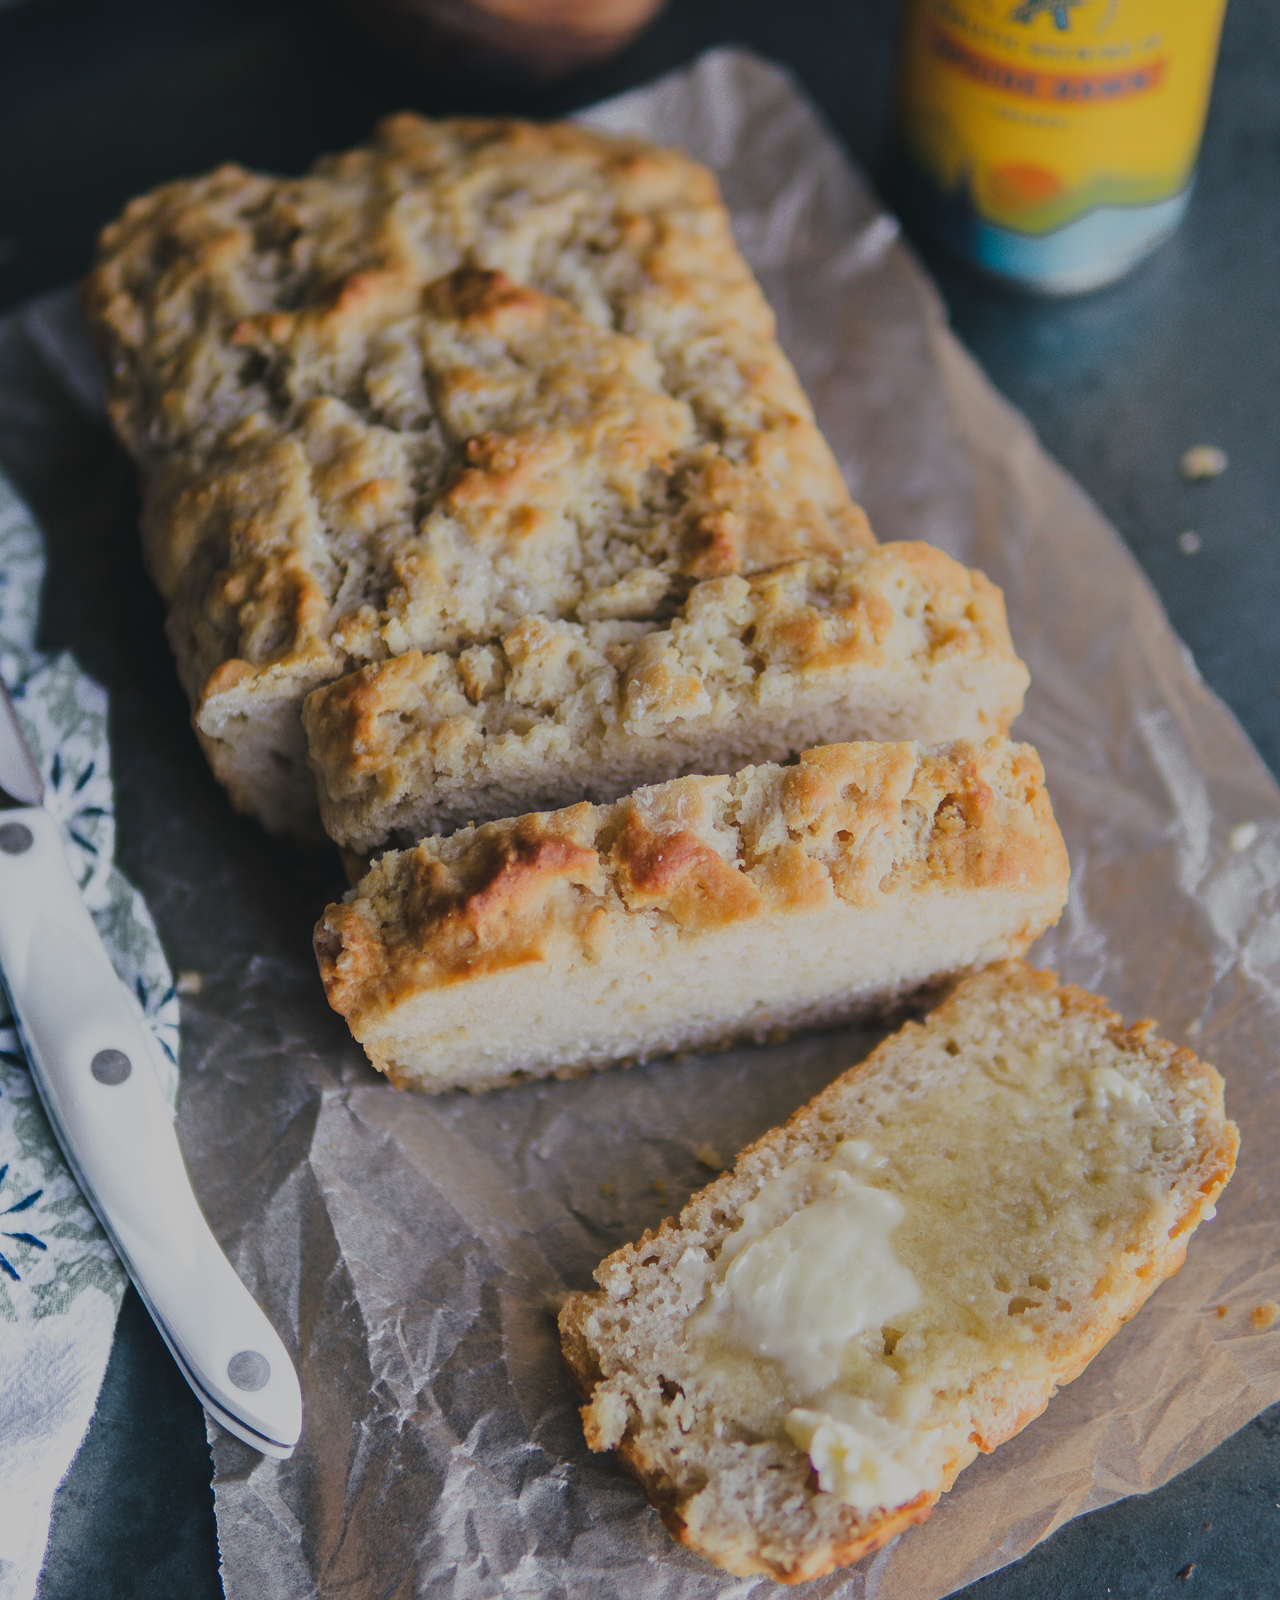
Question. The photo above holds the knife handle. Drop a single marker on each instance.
(92, 1065)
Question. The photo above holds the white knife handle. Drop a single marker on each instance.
(92, 1065)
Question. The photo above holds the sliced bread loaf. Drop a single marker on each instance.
(799, 1365)
(899, 642)
(694, 912)
(473, 371)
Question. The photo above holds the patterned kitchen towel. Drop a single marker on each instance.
(60, 1282)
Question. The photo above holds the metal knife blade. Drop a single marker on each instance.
(91, 1064)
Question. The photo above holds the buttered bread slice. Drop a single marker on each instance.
(798, 1366)
(694, 912)
(899, 642)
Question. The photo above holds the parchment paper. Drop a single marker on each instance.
(412, 1250)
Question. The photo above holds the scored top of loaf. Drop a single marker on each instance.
(852, 822)
(1050, 1167)
(539, 345)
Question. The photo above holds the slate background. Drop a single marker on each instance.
(99, 101)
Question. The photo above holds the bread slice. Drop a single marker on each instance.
(471, 372)
(695, 912)
(800, 1364)
(899, 642)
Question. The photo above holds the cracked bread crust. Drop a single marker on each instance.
(470, 372)
(899, 642)
(1007, 1044)
(829, 887)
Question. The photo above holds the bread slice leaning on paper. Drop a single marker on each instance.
(695, 912)
(798, 1366)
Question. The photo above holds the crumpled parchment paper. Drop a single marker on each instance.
(412, 1250)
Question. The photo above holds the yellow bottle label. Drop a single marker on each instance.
(1039, 111)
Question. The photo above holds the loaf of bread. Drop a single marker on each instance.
(473, 372)
(799, 1365)
(899, 642)
(695, 912)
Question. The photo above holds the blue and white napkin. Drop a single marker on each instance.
(60, 1282)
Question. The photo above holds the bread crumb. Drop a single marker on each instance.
(1189, 542)
(1264, 1315)
(1194, 1027)
(608, 1190)
(1203, 461)
(1242, 836)
(708, 1156)
(188, 982)
(1187, 1570)
(1222, 1311)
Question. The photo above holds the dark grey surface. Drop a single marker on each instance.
(99, 101)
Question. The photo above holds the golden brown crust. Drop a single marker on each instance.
(342, 388)
(848, 822)
(895, 642)
(678, 873)
(485, 912)
(671, 900)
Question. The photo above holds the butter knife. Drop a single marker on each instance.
(91, 1064)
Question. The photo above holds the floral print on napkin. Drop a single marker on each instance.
(60, 1282)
